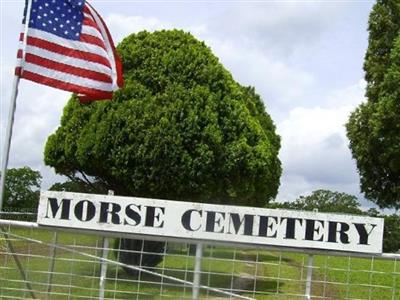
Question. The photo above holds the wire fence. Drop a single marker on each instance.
(37, 263)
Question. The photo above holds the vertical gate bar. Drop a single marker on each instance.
(309, 276)
(103, 268)
(53, 250)
(197, 272)
(103, 264)
(19, 265)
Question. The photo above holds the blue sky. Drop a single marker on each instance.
(303, 57)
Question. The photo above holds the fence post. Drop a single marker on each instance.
(309, 276)
(103, 265)
(53, 251)
(197, 271)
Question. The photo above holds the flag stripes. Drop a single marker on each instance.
(88, 66)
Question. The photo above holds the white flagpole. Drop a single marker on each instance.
(7, 140)
(11, 111)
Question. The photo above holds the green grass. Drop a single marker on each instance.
(353, 278)
(273, 275)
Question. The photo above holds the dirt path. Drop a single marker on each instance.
(320, 283)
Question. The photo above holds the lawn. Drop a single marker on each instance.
(250, 272)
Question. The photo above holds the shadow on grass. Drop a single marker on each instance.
(148, 284)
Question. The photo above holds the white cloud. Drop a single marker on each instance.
(38, 113)
(315, 151)
(350, 96)
(276, 80)
(278, 27)
(279, 83)
(121, 25)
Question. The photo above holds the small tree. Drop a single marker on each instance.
(22, 189)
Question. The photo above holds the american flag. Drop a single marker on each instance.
(69, 47)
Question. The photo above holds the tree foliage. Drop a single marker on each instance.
(78, 186)
(181, 128)
(374, 127)
(22, 189)
(324, 201)
(391, 233)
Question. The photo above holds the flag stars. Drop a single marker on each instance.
(59, 17)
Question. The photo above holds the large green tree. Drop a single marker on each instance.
(22, 189)
(181, 128)
(374, 127)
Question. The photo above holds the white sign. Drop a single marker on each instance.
(199, 221)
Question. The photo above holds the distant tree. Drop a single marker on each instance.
(22, 189)
(182, 128)
(374, 127)
(336, 202)
(324, 201)
(391, 234)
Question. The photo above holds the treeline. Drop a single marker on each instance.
(337, 202)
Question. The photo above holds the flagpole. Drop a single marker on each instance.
(7, 140)
(11, 110)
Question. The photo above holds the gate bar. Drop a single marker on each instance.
(103, 267)
(309, 277)
(103, 263)
(197, 272)
(53, 251)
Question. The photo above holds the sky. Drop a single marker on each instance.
(305, 59)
